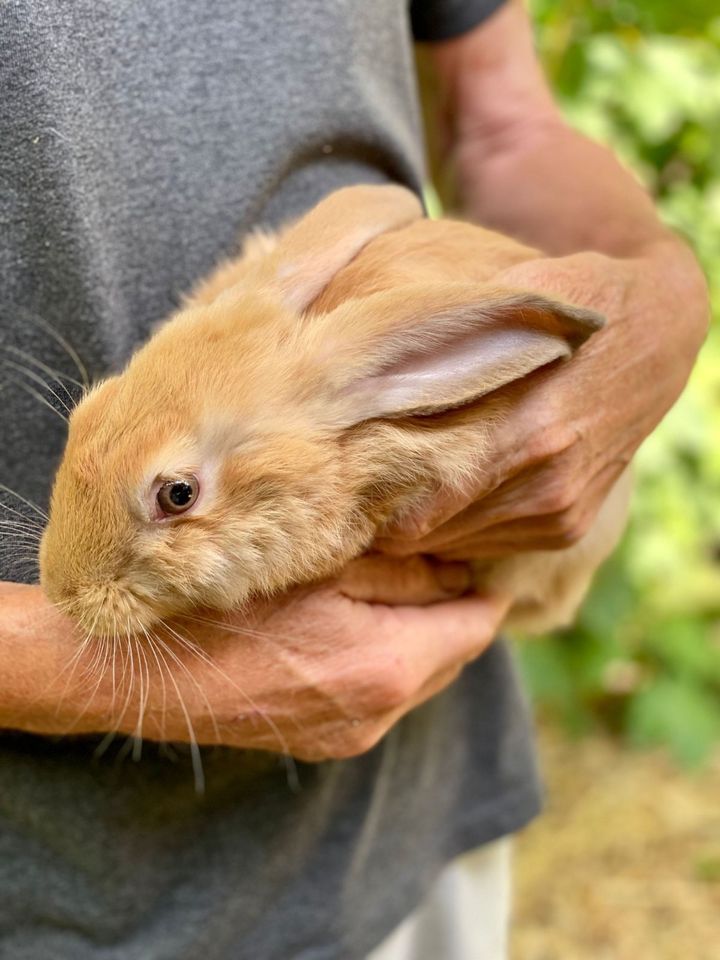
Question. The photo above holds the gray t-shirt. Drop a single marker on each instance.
(138, 139)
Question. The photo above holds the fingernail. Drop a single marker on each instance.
(454, 577)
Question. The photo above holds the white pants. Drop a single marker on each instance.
(464, 916)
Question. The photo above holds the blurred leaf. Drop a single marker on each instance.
(707, 868)
(644, 77)
(677, 713)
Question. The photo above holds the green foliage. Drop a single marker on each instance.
(644, 659)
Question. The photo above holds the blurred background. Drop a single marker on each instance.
(644, 77)
(626, 863)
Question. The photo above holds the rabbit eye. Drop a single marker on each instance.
(177, 496)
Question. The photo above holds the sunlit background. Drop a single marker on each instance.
(626, 863)
(645, 660)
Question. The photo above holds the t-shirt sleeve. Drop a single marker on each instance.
(444, 19)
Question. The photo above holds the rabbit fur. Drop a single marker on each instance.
(327, 379)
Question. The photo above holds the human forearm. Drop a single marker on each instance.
(554, 189)
(35, 646)
(521, 169)
(54, 681)
(315, 674)
(518, 166)
(572, 429)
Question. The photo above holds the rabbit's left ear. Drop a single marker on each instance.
(308, 254)
(415, 351)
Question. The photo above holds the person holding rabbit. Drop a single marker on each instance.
(316, 777)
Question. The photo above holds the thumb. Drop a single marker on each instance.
(415, 580)
(449, 634)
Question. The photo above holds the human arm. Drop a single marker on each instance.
(314, 674)
(521, 169)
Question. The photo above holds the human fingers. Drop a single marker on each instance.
(430, 640)
(435, 653)
(535, 491)
(552, 530)
(415, 580)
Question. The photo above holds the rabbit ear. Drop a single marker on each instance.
(309, 253)
(425, 350)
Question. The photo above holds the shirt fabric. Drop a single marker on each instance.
(138, 141)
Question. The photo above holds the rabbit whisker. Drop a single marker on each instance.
(57, 375)
(197, 651)
(38, 396)
(67, 347)
(160, 661)
(243, 631)
(28, 503)
(27, 523)
(38, 379)
(168, 649)
(144, 694)
(195, 753)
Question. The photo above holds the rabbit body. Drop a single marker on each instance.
(329, 378)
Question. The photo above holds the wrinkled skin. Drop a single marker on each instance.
(570, 434)
(314, 674)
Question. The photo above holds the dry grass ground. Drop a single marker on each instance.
(625, 864)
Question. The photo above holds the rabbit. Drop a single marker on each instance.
(319, 384)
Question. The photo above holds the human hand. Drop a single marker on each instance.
(316, 674)
(572, 430)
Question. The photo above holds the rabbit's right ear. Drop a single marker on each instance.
(422, 350)
(309, 253)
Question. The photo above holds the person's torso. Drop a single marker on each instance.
(138, 142)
